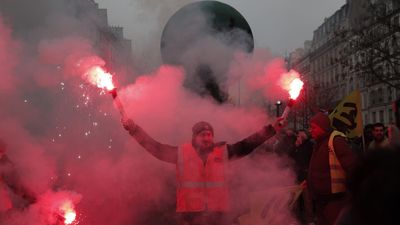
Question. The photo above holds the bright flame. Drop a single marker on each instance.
(295, 88)
(69, 217)
(68, 212)
(97, 76)
(291, 82)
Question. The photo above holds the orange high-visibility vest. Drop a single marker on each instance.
(338, 175)
(201, 186)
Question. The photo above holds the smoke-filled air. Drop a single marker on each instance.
(62, 131)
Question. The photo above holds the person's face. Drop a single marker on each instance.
(204, 140)
(377, 132)
(301, 137)
(316, 131)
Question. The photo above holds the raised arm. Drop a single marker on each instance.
(161, 151)
(247, 145)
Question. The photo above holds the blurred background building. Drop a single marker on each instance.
(356, 48)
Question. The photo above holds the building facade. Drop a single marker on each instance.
(53, 19)
(108, 40)
(345, 56)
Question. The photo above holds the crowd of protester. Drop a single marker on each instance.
(345, 181)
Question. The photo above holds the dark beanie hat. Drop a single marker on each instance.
(322, 120)
(201, 126)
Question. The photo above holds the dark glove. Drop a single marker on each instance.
(129, 125)
(279, 124)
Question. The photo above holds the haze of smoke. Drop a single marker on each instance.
(259, 76)
(148, 20)
(67, 136)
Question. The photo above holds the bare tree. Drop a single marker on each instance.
(373, 41)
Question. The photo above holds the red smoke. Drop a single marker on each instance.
(258, 73)
(67, 143)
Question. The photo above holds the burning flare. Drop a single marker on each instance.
(295, 88)
(99, 77)
(291, 82)
(68, 212)
(92, 70)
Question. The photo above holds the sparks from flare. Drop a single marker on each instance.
(99, 77)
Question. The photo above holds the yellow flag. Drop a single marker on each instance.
(346, 117)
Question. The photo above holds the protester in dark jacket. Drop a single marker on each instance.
(302, 154)
(374, 190)
(328, 202)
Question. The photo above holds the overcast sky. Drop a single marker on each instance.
(280, 25)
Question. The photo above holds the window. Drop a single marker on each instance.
(351, 86)
(380, 95)
(362, 82)
(363, 58)
(389, 94)
(373, 116)
(319, 64)
(381, 117)
(390, 115)
(372, 96)
(379, 72)
(396, 20)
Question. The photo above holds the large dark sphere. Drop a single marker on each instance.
(184, 28)
(203, 38)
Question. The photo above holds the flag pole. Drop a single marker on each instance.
(363, 142)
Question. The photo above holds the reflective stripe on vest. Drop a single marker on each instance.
(201, 186)
(338, 175)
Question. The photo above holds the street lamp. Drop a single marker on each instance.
(278, 105)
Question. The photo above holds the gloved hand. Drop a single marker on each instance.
(280, 123)
(129, 125)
